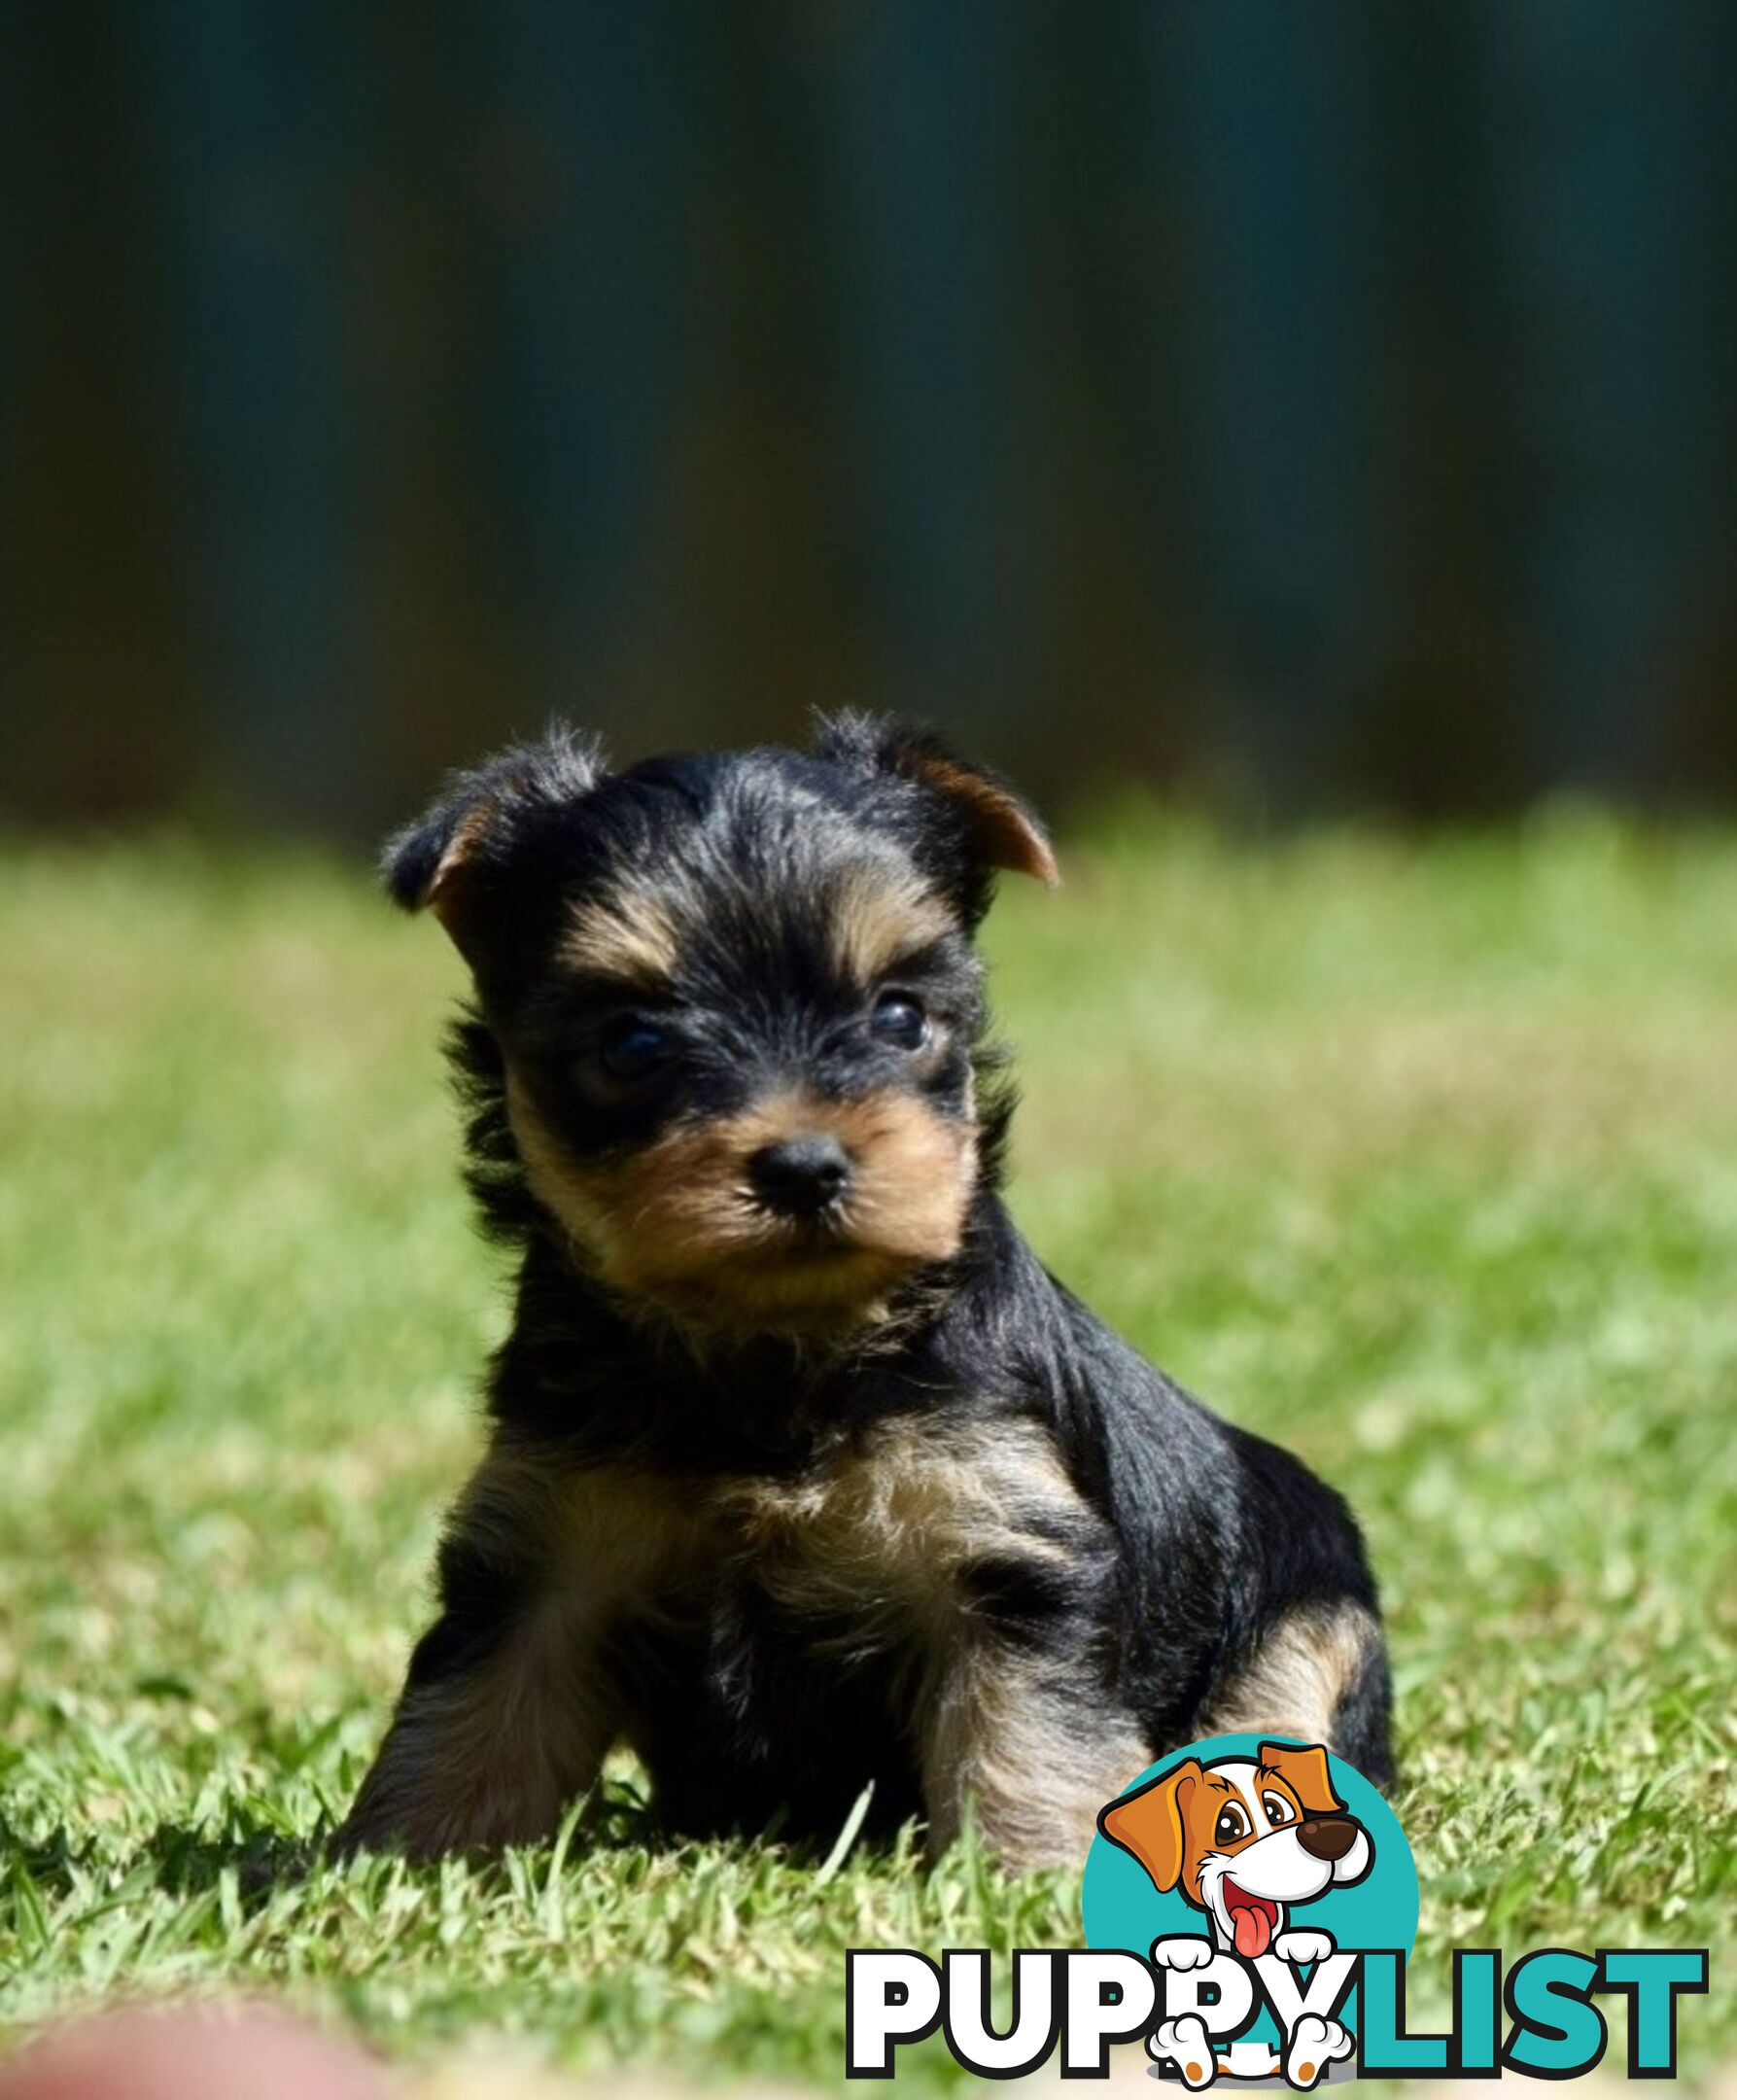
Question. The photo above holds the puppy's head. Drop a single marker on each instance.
(1243, 1837)
(737, 1006)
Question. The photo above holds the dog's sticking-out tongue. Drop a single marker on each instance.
(1252, 1920)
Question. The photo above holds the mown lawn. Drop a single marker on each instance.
(1422, 1157)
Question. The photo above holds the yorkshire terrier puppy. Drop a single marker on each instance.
(803, 1472)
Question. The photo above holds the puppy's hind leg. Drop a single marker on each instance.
(1362, 1721)
(1319, 1675)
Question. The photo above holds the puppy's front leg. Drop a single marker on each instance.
(1021, 1737)
(510, 1706)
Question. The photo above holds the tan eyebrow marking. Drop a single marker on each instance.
(1224, 1786)
(628, 933)
(880, 918)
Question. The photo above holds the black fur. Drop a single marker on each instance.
(1187, 1541)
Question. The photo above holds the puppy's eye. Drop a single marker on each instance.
(1232, 1823)
(1278, 1809)
(899, 1018)
(632, 1049)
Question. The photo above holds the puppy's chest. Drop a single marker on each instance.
(892, 1532)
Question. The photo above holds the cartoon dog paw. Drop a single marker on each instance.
(1185, 1951)
(1184, 2042)
(1302, 1946)
(1314, 2044)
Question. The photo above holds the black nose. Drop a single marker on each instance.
(1327, 1838)
(800, 1176)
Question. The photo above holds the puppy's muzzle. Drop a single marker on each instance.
(1328, 1837)
(801, 1176)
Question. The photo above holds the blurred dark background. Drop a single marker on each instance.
(1297, 404)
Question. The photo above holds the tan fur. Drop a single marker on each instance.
(879, 914)
(628, 934)
(881, 1541)
(913, 1174)
(881, 1533)
(1005, 835)
(461, 848)
(678, 1223)
(551, 1176)
(1029, 1758)
(1293, 1684)
(491, 1756)
(880, 918)
(444, 894)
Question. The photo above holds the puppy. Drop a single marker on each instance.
(804, 1475)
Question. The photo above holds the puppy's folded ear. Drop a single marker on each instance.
(450, 860)
(1151, 1823)
(1305, 1770)
(999, 830)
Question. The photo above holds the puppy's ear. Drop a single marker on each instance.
(1151, 1823)
(1306, 1772)
(1000, 830)
(450, 860)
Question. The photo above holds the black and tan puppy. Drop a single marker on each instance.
(803, 1472)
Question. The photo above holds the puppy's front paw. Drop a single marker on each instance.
(1184, 2042)
(1314, 2044)
(1302, 1946)
(1185, 1951)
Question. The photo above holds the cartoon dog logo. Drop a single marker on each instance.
(1244, 1840)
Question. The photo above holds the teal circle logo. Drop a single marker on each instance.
(1232, 1841)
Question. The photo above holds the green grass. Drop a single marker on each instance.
(1422, 1157)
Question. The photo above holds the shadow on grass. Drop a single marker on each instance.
(263, 1858)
